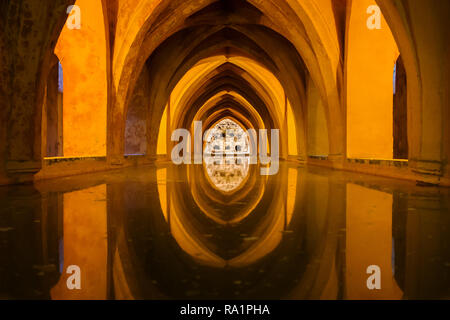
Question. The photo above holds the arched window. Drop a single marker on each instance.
(227, 138)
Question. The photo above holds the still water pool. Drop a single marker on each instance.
(222, 231)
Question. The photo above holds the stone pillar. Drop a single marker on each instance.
(27, 41)
(423, 40)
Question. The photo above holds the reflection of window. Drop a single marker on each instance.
(227, 174)
(227, 137)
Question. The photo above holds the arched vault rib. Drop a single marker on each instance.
(229, 107)
(233, 79)
(308, 35)
(227, 81)
(265, 79)
(266, 83)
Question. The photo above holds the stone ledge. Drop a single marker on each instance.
(13, 167)
(322, 158)
(52, 161)
(380, 162)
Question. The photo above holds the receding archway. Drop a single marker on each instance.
(148, 42)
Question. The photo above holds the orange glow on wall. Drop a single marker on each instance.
(161, 176)
(85, 244)
(371, 56)
(292, 131)
(162, 135)
(83, 56)
(369, 242)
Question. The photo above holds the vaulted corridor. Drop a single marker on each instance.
(224, 149)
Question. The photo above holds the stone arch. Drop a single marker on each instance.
(412, 23)
(318, 30)
(231, 56)
(30, 32)
(228, 77)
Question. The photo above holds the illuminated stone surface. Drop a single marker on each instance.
(108, 96)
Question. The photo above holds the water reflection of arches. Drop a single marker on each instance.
(228, 210)
(199, 257)
(327, 234)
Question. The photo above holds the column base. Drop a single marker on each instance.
(116, 161)
(13, 167)
(428, 172)
(337, 160)
(21, 171)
